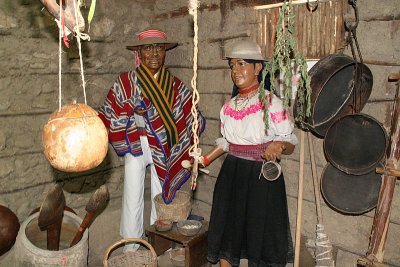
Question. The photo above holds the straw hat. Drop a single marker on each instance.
(151, 36)
(245, 49)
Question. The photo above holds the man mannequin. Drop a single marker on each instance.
(148, 115)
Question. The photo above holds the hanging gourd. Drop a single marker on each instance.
(286, 61)
(75, 139)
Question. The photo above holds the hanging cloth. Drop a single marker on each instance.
(161, 94)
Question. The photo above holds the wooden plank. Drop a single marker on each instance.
(317, 33)
(376, 248)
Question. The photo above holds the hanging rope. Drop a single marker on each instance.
(60, 34)
(79, 35)
(62, 37)
(194, 151)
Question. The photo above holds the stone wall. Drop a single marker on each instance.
(29, 91)
(29, 94)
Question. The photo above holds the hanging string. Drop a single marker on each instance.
(194, 151)
(79, 35)
(60, 35)
(63, 37)
(62, 19)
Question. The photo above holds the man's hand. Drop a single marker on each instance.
(140, 111)
(189, 164)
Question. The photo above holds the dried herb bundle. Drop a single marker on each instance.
(287, 61)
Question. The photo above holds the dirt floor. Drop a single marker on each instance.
(100, 238)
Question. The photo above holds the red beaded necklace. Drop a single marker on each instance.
(245, 91)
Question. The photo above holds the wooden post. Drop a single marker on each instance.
(380, 225)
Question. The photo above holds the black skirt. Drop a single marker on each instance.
(249, 217)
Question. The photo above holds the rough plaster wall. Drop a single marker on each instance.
(222, 22)
(29, 93)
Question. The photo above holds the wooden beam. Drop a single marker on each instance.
(183, 11)
(236, 36)
(294, 2)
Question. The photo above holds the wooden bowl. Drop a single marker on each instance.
(163, 225)
(9, 227)
(177, 256)
(189, 227)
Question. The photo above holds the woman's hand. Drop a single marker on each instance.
(274, 151)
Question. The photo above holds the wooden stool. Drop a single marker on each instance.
(195, 246)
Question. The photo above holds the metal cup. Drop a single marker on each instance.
(270, 170)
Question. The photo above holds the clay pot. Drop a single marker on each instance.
(9, 226)
(75, 139)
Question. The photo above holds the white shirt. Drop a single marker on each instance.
(242, 122)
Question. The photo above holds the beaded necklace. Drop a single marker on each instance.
(244, 96)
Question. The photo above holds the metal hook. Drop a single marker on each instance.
(352, 27)
(312, 7)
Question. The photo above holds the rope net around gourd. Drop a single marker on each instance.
(194, 151)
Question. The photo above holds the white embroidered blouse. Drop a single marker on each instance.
(242, 123)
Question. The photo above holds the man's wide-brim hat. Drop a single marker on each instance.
(244, 49)
(152, 36)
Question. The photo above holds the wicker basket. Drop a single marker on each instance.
(177, 210)
(138, 258)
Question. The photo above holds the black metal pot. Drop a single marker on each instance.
(355, 144)
(350, 194)
(340, 86)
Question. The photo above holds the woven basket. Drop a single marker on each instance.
(177, 210)
(138, 258)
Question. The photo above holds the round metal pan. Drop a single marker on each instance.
(337, 90)
(350, 194)
(355, 144)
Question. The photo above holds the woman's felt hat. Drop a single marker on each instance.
(244, 49)
(151, 36)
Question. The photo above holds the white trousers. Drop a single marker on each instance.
(132, 198)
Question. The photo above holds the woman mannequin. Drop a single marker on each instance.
(249, 217)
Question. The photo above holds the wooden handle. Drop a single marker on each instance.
(391, 172)
(299, 203)
(53, 235)
(85, 223)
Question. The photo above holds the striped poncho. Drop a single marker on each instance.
(117, 114)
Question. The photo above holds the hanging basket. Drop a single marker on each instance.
(177, 210)
(139, 258)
